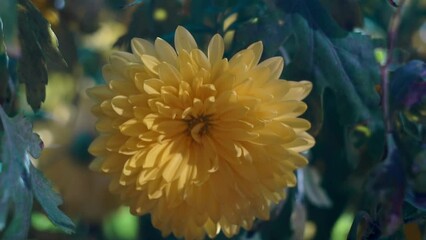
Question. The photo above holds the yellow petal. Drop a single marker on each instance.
(298, 124)
(104, 125)
(122, 106)
(97, 147)
(133, 127)
(170, 128)
(109, 73)
(143, 205)
(115, 141)
(154, 155)
(275, 65)
(241, 62)
(150, 119)
(215, 49)
(169, 74)
(212, 228)
(125, 57)
(289, 109)
(172, 168)
(165, 52)
(200, 58)
(99, 93)
(184, 40)
(302, 143)
(113, 163)
(96, 164)
(151, 63)
(142, 47)
(152, 86)
(155, 189)
(123, 87)
(298, 90)
(257, 49)
(147, 175)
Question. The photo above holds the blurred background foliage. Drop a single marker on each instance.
(361, 183)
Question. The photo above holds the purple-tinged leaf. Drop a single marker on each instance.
(386, 191)
(415, 94)
(407, 85)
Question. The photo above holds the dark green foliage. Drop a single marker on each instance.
(144, 25)
(395, 192)
(344, 73)
(319, 50)
(263, 24)
(38, 43)
(8, 16)
(330, 151)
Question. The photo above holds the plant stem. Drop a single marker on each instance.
(392, 35)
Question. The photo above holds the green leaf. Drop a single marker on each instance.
(15, 187)
(49, 201)
(20, 180)
(4, 73)
(21, 217)
(266, 26)
(38, 43)
(320, 51)
(8, 15)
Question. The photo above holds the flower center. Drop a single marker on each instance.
(198, 126)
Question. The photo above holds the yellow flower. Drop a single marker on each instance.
(202, 143)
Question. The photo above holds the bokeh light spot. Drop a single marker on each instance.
(342, 226)
(160, 14)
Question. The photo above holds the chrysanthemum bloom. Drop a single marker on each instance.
(202, 143)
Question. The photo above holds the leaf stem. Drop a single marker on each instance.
(384, 70)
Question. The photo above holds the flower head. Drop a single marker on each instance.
(202, 143)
